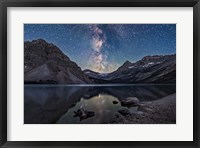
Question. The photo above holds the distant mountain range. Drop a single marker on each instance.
(150, 69)
(45, 63)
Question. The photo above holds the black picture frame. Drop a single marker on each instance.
(4, 4)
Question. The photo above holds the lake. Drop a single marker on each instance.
(56, 104)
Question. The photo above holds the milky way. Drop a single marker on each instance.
(105, 47)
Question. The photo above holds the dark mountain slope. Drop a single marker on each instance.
(46, 63)
(150, 69)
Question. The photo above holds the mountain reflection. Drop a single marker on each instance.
(46, 104)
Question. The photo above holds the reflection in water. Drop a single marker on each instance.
(56, 103)
(102, 105)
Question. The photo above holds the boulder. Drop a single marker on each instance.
(130, 101)
(83, 114)
(124, 112)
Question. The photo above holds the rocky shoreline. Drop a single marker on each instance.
(162, 111)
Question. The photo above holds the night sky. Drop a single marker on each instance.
(105, 47)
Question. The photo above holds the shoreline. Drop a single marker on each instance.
(162, 111)
(93, 85)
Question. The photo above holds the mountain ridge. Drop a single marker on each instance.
(45, 63)
(150, 69)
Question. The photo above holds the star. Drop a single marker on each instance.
(105, 47)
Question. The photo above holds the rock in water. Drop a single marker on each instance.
(124, 112)
(83, 114)
(130, 101)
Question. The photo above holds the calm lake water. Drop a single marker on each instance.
(45, 104)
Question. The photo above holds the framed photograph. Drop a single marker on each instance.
(104, 73)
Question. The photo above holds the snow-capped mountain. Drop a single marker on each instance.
(150, 69)
(46, 63)
(96, 75)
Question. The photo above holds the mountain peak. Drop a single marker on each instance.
(40, 41)
(45, 63)
(154, 58)
(149, 57)
(90, 71)
(127, 63)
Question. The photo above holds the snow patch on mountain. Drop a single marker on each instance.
(131, 67)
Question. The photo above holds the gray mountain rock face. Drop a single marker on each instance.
(150, 69)
(46, 63)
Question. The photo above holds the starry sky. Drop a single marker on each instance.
(105, 47)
